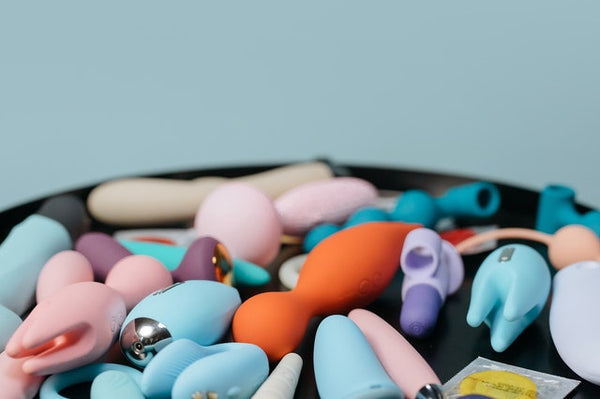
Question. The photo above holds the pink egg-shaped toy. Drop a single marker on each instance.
(244, 219)
(62, 269)
(137, 276)
(327, 201)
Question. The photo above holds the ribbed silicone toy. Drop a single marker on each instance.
(346, 270)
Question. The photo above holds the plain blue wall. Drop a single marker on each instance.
(501, 90)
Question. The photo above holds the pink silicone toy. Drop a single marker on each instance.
(64, 268)
(72, 327)
(401, 361)
(15, 383)
(327, 201)
(137, 276)
(244, 219)
(102, 250)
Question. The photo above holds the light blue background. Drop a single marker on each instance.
(505, 90)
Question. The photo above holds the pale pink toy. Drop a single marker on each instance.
(137, 276)
(327, 201)
(72, 327)
(244, 219)
(64, 268)
(14, 382)
(405, 366)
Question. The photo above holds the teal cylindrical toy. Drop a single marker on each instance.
(556, 208)
(479, 200)
(345, 365)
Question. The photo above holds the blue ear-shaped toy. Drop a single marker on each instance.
(509, 291)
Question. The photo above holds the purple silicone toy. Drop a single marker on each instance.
(102, 251)
(202, 259)
(432, 270)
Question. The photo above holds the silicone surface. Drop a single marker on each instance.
(480, 199)
(68, 329)
(235, 373)
(556, 208)
(574, 319)
(200, 310)
(281, 383)
(102, 251)
(432, 269)
(136, 276)
(402, 362)
(244, 219)
(244, 272)
(143, 201)
(54, 384)
(326, 201)
(62, 269)
(161, 372)
(348, 269)
(9, 322)
(345, 364)
(14, 381)
(509, 291)
(113, 384)
(28, 247)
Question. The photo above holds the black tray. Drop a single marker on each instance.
(453, 344)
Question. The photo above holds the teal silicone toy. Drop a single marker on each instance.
(161, 372)
(23, 253)
(234, 373)
(55, 383)
(481, 199)
(345, 365)
(477, 200)
(200, 310)
(556, 208)
(9, 322)
(244, 273)
(509, 291)
(113, 384)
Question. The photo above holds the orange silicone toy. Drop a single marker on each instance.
(347, 270)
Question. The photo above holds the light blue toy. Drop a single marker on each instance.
(113, 384)
(345, 365)
(23, 253)
(200, 310)
(9, 322)
(129, 378)
(236, 372)
(509, 291)
(556, 208)
(227, 370)
(244, 273)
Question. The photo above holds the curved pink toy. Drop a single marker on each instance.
(326, 201)
(68, 329)
(15, 383)
(244, 219)
(137, 276)
(64, 268)
(401, 361)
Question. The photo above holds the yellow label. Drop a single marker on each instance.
(498, 384)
